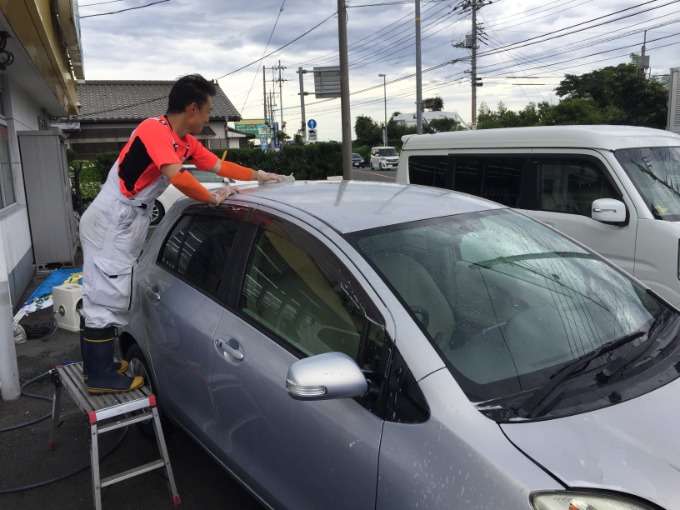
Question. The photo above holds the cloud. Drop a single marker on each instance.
(527, 49)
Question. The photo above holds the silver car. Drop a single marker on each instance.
(360, 345)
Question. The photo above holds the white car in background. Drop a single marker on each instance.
(163, 203)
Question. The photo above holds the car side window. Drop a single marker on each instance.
(428, 170)
(297, 289)
(571, 185)
(197, 249)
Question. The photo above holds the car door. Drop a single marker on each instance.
(296, 298)
(182, 303)
(568, 184)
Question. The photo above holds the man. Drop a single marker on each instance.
(114, 227)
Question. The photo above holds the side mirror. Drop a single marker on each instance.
(608, 210)
(326, 376)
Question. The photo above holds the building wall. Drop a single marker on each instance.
(37, 86)
(22, 114)
(674, 101)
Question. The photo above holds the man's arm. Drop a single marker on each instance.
(242, 173)
(187, 184)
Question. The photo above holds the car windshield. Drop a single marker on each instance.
(204, 176)
(506, 300)
(387, 151)
(655, 171)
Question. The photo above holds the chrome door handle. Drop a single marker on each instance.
(153, 295)
(231, 347)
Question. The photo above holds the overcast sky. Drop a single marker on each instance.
(528, 47)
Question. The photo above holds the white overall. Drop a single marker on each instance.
(112, 233)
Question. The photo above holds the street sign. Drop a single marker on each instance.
(327, 82)
(311, 124)
(258, 127)
(311, 135)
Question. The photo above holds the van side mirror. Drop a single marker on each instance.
(608, 210)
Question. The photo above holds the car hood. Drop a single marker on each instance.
(631, 447)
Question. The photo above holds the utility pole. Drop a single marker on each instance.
(264, 86)
(303, 126)
(272, 106)
(419, 76)
(9, 369)
(344, 92)
(473, 68)
(280, 80)
(471, 44)
(643, 61)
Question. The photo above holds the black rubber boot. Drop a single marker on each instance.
(99, 366)
(119, 366)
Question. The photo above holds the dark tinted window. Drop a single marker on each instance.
(495, 178)
(502, 180)
(468, 175)
(570, 185)
(197, 249)
(428, 170)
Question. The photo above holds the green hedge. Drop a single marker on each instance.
(306, 162)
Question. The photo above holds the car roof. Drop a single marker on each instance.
(593, 137)
(349, 206)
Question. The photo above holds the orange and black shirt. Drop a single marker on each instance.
(153, 144)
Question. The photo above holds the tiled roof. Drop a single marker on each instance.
(124, 100)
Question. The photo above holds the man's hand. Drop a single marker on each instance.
(219, 195)
(263, 176)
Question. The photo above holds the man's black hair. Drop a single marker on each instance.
(190, 89)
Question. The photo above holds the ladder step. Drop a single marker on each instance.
(125, 422)
(108, 412)
(130, 473)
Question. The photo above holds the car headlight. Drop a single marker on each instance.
(575, 500)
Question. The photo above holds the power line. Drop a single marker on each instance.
(257, 71)
(123, 10)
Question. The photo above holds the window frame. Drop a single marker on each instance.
(4, 140)
(258, 221)
(230, 212)
(571, 158)
(530, 172)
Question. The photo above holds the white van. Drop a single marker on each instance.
(384, 158)
(616, 189)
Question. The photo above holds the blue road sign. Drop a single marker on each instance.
(311, 123)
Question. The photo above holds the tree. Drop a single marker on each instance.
(620, 94)
(441, 125)
(367, 131)
(486, 119)
(612, 95)
(434, 104)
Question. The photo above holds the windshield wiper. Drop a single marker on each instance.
(513, 260)
(622, 363)
(545, 397)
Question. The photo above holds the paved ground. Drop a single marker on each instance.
(26, 463)
(25, 460)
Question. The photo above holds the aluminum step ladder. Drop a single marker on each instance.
(107, 412)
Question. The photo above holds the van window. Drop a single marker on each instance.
(498, 178)
(428, 170)
(570, 185)
(655, 171)
(565, 184)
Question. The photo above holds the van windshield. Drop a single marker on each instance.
(655, 171)
(387, 151)
(508, 301)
